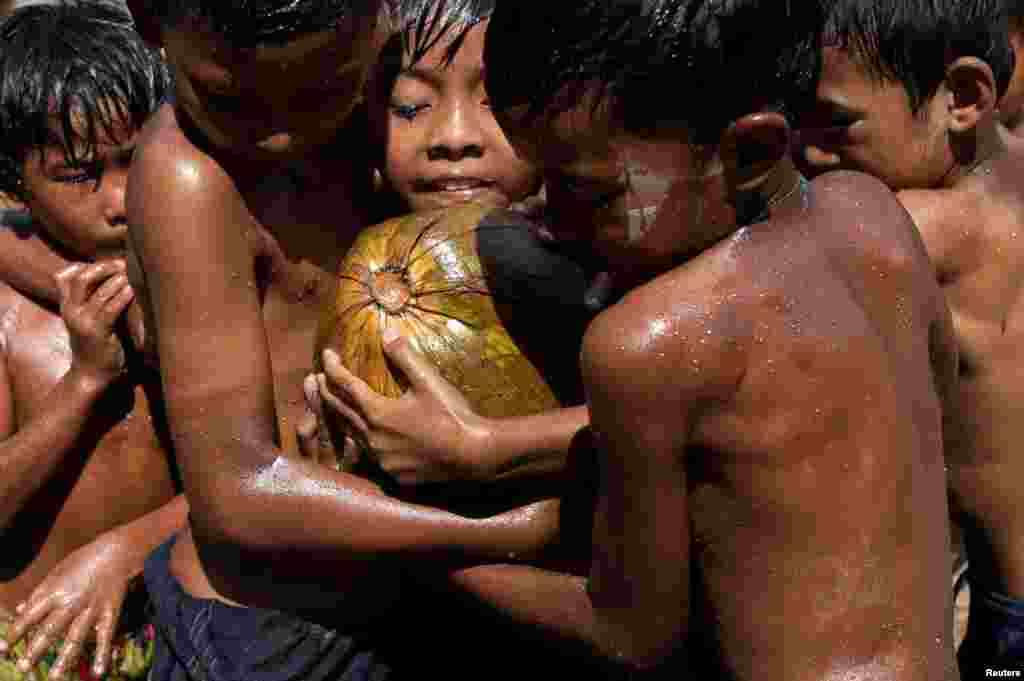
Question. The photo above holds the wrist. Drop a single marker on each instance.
(130, 551)
(476, 458)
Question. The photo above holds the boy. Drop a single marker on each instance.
(87, 487)
(921, 115)
(257, 89)
(768, 423)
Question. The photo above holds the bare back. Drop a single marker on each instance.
(119, 471)
(812, 346)
(975, 235)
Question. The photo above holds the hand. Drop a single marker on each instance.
(81, 597)
(430, 434)
(92, 297)
(314, 437)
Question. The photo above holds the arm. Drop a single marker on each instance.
(432, 434)
(92, 298)
(84, 593)
(636, 608)
(189, 227)
(28, 264)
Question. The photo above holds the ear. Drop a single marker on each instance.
(972, 87)
(752, 147)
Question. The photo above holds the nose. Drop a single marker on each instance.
(114, 185)
(457, 135)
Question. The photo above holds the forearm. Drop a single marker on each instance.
(29, 265)
(285, 503)
(536, 445)
(143, 535)
(34, 453)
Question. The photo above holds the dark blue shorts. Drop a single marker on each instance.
(995, 635)
(206, 640)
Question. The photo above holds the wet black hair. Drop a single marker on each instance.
(694, 65)
(913, 42)
(71, 73)
(424, 23)
(1015, 9)
(419, 25)
(258, 23)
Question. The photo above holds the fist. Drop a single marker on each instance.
(92, 297)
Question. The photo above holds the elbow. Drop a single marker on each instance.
(224, 513)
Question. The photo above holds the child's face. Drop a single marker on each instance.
(443, 145)
(862, 123)
(271, 102)
(82, 207)
(607, 189)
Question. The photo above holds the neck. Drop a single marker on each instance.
(970, 154)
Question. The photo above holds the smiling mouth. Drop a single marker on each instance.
(453, 184)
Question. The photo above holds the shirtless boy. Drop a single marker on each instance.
(768, 416)
(258, 91)
(927, 126)
(87, 490)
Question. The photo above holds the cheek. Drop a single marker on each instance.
(67, 214)
(401, 163)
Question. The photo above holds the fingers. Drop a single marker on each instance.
(307, 437)
(73, 644)
(312, 433)
(351, 453)
(347, 385)
(105, 629)
(63, 280)
(85, 280)
(346, 412)
(45, 636)
(417, 368)
(110, 300)
(28, 615)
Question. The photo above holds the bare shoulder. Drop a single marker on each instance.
(931, 208)
(850, 196)
(168, 168)
(682, 333)
(182, 204)
(950, 221)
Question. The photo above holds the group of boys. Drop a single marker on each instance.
(785, 406)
